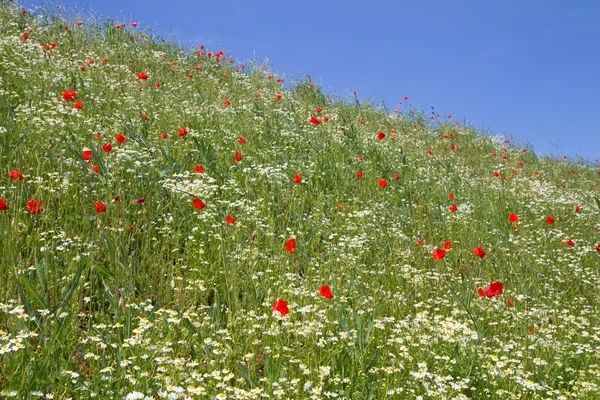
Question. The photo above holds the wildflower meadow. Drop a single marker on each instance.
(176, 223)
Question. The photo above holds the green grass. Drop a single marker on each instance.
(164, 299)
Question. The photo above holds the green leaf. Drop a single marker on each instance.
(246, 374)
(38, 300)
(71, 288)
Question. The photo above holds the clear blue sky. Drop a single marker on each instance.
(526, 68)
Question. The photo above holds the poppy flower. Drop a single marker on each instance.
(319, 109)
(230, 220)
(278, 97)
(139, 201)
(380, 135)
(453, 208)
(451, 196)
(549, 220)
(598, 248)
(510, 303)
(68, 95)
(359, 174)
(297, 179)
(241, 140)
(34, 206)
(570, 243)
(420, 242)
(100, 207)
(107, 147)
(397, 176)
(120, 138)
(199, 169)
(495, 289)
(325, 291)
(142, 75)
(577, 208)
(382, 183)
(226, 103)
(439, 254)
(86, 155)
(163, 135)
(96, 169)
(290, 246)
(479, 252)
(429, 151)
(157, 85)
(496, 173)
(237, 157)
(3, 205)
(78, 105)
(447, 245)
(281, 306)
(198, 204)
(315, 121)
(513, 218)
(15, 175)
(183, 131)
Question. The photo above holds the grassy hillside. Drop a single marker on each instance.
(174, 224)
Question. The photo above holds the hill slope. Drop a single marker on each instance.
(178, 225)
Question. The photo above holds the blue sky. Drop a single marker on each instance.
(526, 68)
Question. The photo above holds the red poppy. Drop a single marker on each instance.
(549, 220)
(120, 138)
(96, 169)
(142, 75)
(382, 183)
(15, 175)
(577, 208)
(570, 243)
(78, 105)
(183, 131)
(107, 147)
(86, 155)
(315, 121)
(447, 245)
(451, 196)
(199, 169)
(359, 174)
(237, 157)
(439, 254)
(362, 121)
(163, 135)
(325, 291)
(479, 252)
(319, 109)
(281, 306)
(139, 201)
(380, 135)
(157, 85)
(68, 95)
(429, 151)
(100, 207)
(230, 220)
(453, 208)
(241, 140)
(198, 204)
(34, 206)
(513, 218)
(3, 205)
(598, 248)
(290, 246)
(297, 179)
(278, 97)
(496, 173)
(226, 103)
(190, 76)
(495, 289)
(420, 242)
(510, 303)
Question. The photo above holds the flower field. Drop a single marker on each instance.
(175, 223)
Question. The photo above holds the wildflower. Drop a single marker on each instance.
(68, 95)
(513, 218)
(598, 248)
(198, 204)
(319, 109)
(359, 174)
(157, 85)
(297, 179)
(290, 246)
(325, 291)
(451, 196)
(34, 206)
(120, 138)
(447, 245)
(237, 157)
(281, 306)
(315, 121)
(479, 252)
(4, 206)
(493, 290)
(230, 220)
(510, 303)
(577, 208)
(439, 254)
(226, 103)
(78, 105)
(199, 169)
(139, 201)
(241, 140)
(107, 147)
(100, 207)
(183, 131)
(397, 176)
(382, 183)
(380, 135)
(420, 242)
(142, 76)
(452, 208)
(570, 243)
(15, 175)
(549, 220)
